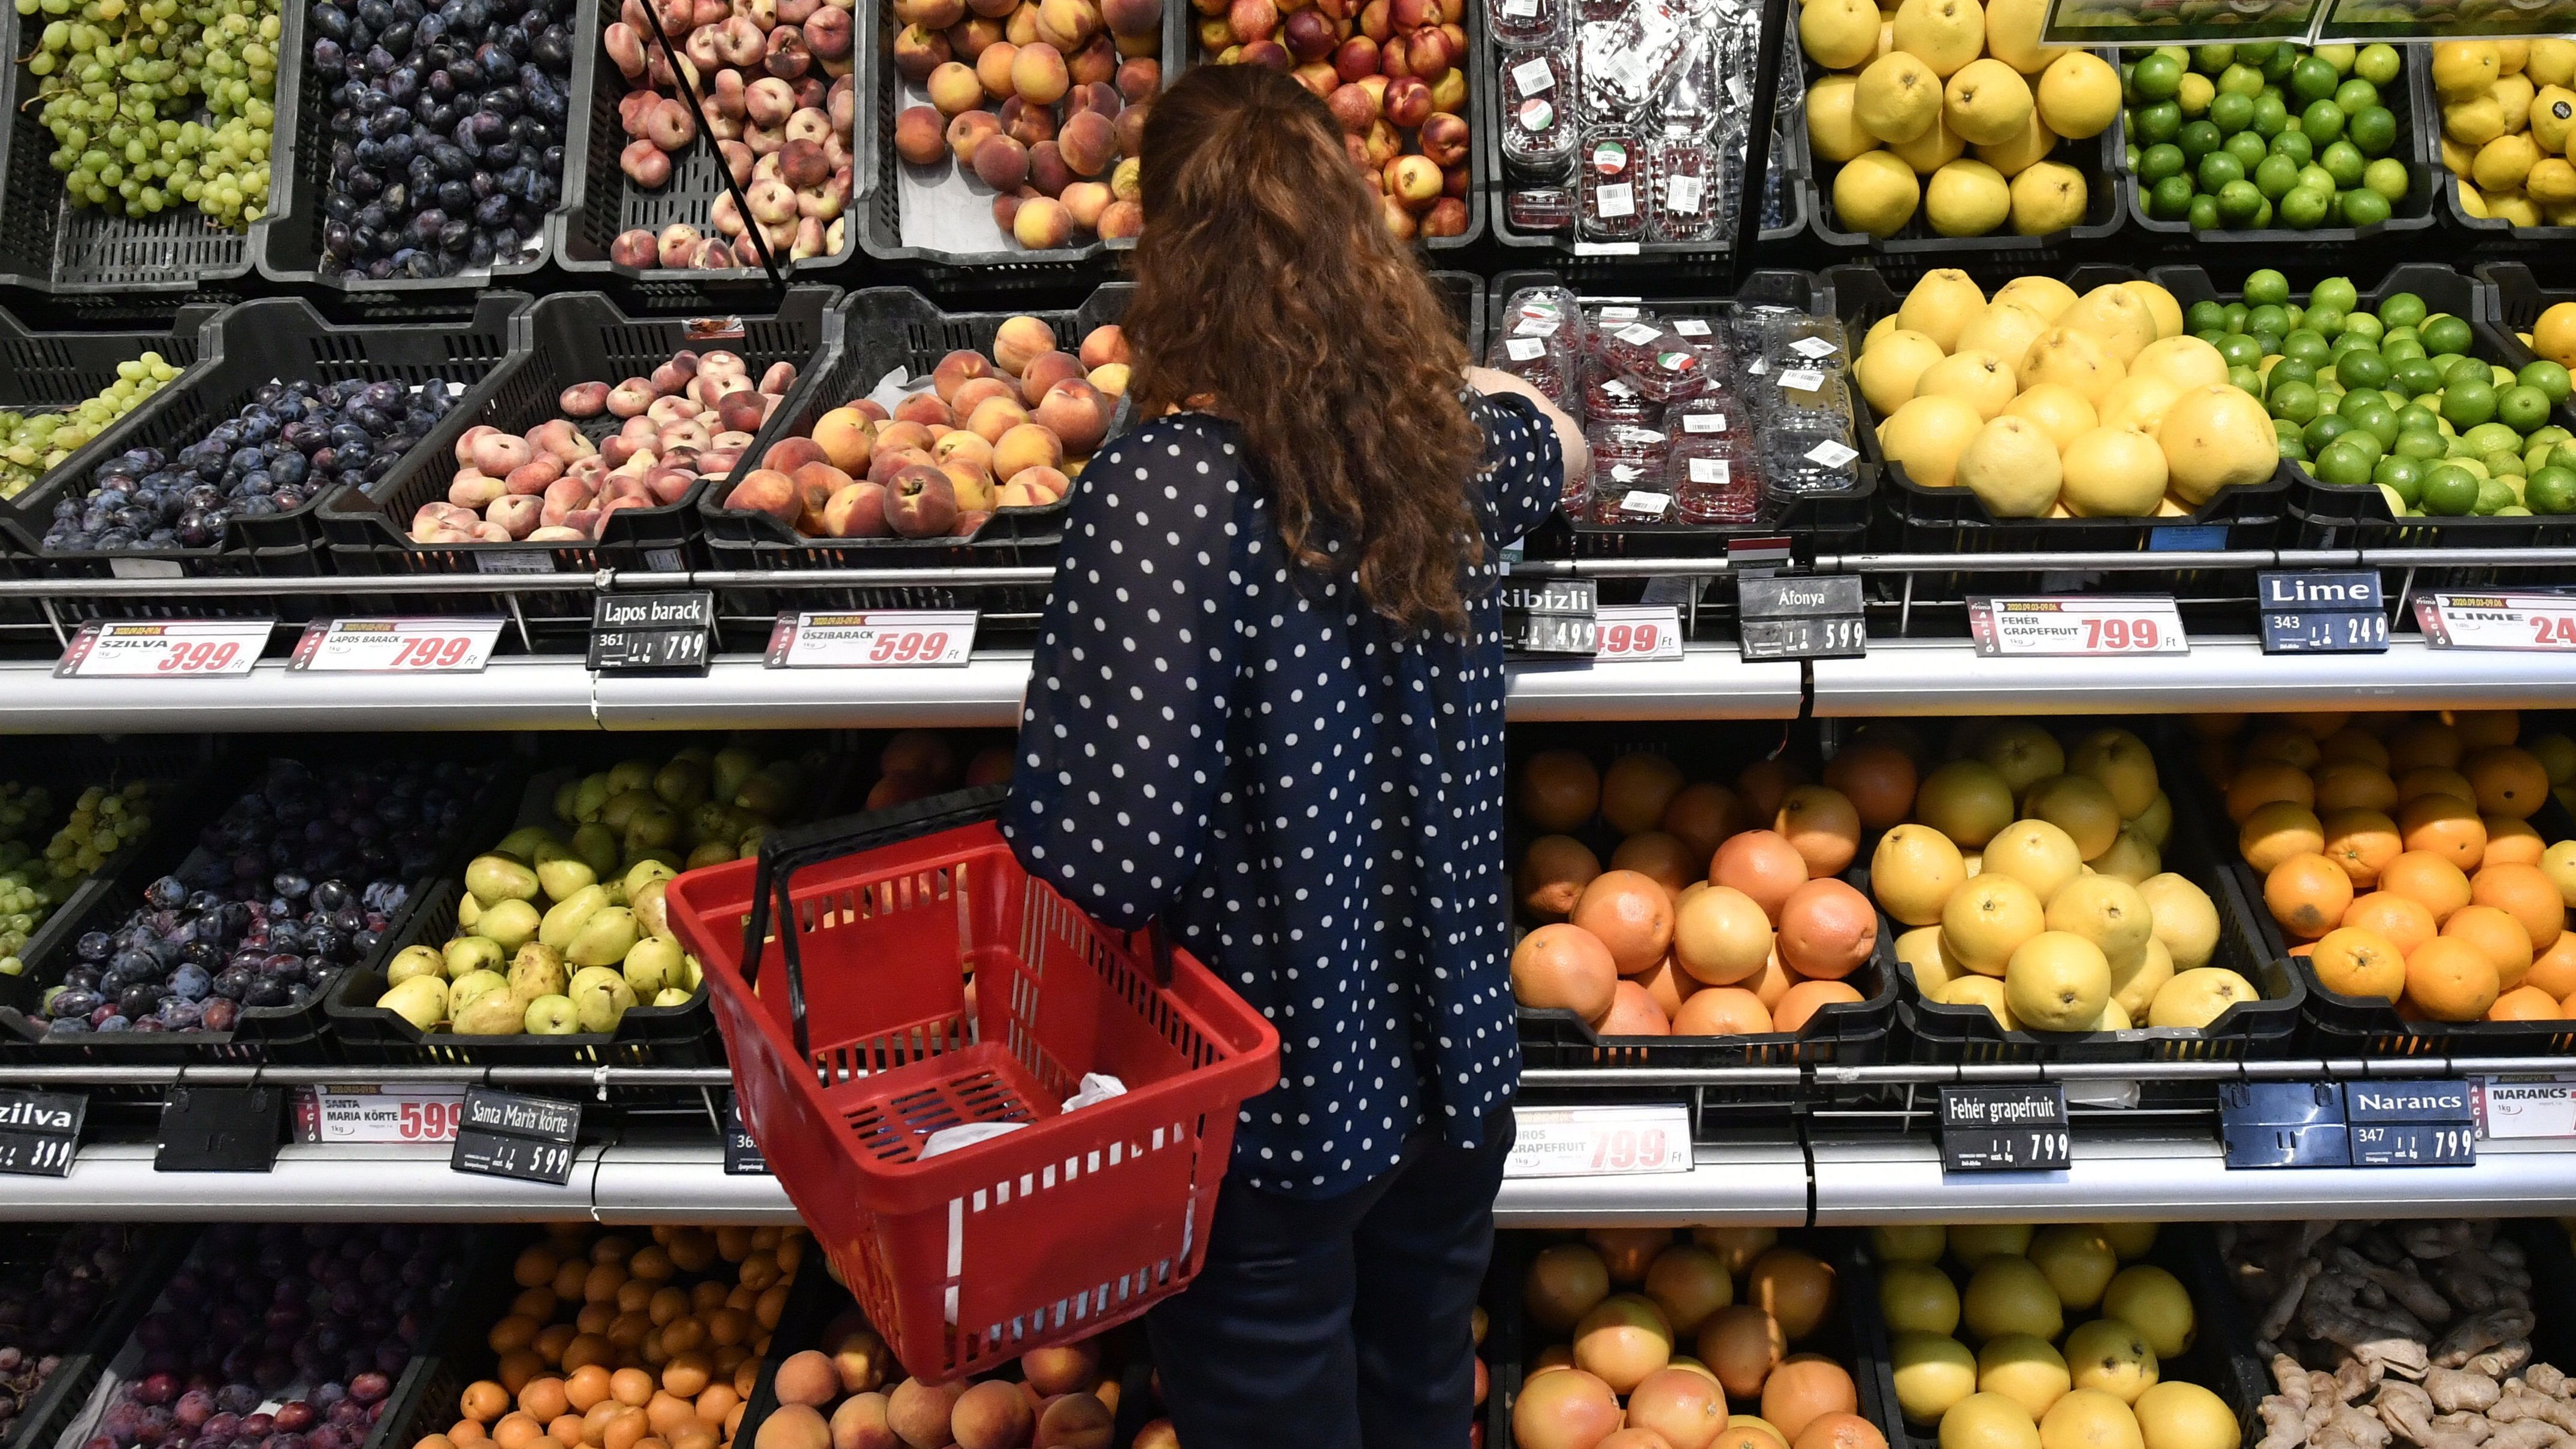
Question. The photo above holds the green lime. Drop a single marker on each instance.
(2494, 496)
(2171, 199)
(2360, 368)
(2551, 490)
(2238, 311)
(2269, 315)
(2237, 80)
(2343, 161)
(2159, 122)
(2378, 422)
(2362, 327)
(2204, 213)
(2305, 207)
(2401, 350)
(2232, 112)
(2247, 148)
(2465, 405)
(2276, 65)
(2294, 450)
(2549, 377)
(2421, 445)
(2307, 347)
(2156, 78)
(2245, 380)
(2269, 342)
(2450, 490)
(2160, 161)
(2522, 408)
(2363, 207)
(2464, 371)
(2241, 350)
(2505, 463)
(2343, 464)
(2256, 55)
(2386, 178)
(2205, 316)
(2356, 96)
(2486, 438)
(2378, 64)
(2271, 116)
(2287, 370)
(2444, 334)
(2294, 402)
(2372, 128)
(2316, 177)
(2211, 59)
(2338, 56)
(2324, 430)
(2321, 122)
(2196, 94)
(2312, 79)
(2336, 292)
(2198, 139)
(2325, 321)
(2404, 310)
(2239, 204)
(2405, 475)
(2295, 146)
(2356, 404)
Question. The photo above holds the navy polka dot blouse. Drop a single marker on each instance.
(1310, 798)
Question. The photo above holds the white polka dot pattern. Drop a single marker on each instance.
(1312, 799)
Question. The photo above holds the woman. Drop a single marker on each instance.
(1267, 709)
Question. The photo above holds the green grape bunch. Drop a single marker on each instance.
(158, 103)
(104, 820)
(34, 444)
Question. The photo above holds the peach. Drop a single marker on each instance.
(871, 409)
(1127, 180)
(1034, 488)
(1215, 37)
(953, 89)
(789, 454)
(969, 39)
(1444, 138)
(1132, 17)
(1138, 80)
(1318, 77)
(972, 484)
(1068, 24)
(777, 378)
(971, 394)
(497, 452)
(962, 446)
(581, 400)
(1076, 413)
(857, 511)
(1398, 220)
(1428, 55)
(741, 412)
(1048, 175)
(1110, 379)
(967, 132)
(1052, 1371)
(1103, 345)
(993, 68)
(1002, 163)
(1356, 58)
(1122, 220)
(1074, 1421)
(1408, 101)
(992, 1414)
(935, 14)
(1267, 54)
(1089, 143)
(924, 408)
(902, 433)
(1027, 124)
(815, 485)
(889, 461)
(995, 416)
(1449, 92)
(470, 489)
(766, 490)
(993, 9)
(1414, 181)
(1381, 145)
(1447, 217)
(1097, 96)
(957, 369)
(1017, 340)
(1084, 201)
(806, 1377)
(920, 503)
(1006, 210)
(1044, 371)
(1251, 20)
(1094, 64)
(1308, 34)
(1026, 446)
(1021, 26)
(1038, 73)
(532, 477)
(860, 1422)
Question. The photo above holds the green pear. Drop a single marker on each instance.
(748, 848)
(538, 970)
(468, 954)
(563, 878)
(601, 996)
(631, 775)
(590, 797)
(727, 771)
(695, 754)
(681, 784)
(711, 821)
(564, 794)
(652, 910)
(413, 961)
(527, 843)
(653, 826)
(557, 928)
(696, 974)
(469, 912)
(663, 858)
(622, 807)
(511, 923)
(494, 1013)
(643, 872)
(552, 1015)
(714, 852)
(652, 964)
(465, 990)
(596, 844)
(420, 1000)
(605, 936)
(767, 793)
(671, 996)
(496, 878)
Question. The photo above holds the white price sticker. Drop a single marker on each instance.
(1533, 76)
(1704, 422)
(1801, 379)
(1636, 631)
(397, 646)
(884, 639)
(2535, 1106)
(1520, 9)
(1524, 349)
(1689, 327)
(1618, 199)
(1640, 503)
(1683, 193)
(1711, 472)
(1832, 454)
(1619, 314)
(1600, 1141)
(1637, 334)
(2075, 624)
(2498, 621)
(169, 649)
(379, 1114)
(1535, 324)
(1814, 349)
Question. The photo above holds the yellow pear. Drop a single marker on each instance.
(1947, 34)
(2113, 473)
(2064, 415)
(2046, 296)
(2503, 163)
(1889, 369)
(1935, 148)
(1833, 132)
(2465, 68)
(1838, 34)
(2216, 437)
(2160, 305)
(2553, 116)
(2013, 29)
(1967, 198)
(2006, 329)
(1987, 101)
(2028, 147)
(1982, 378)
(2012, 468)
(1941, 306)
(1876, 193)
(2079, 95)
(1898, 97)
(2073, 359)
(2115, 315)
(2183, 361)
(1926, 436)
(2049, 197)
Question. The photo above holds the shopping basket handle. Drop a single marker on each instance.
(784, 852)
(1154, 943)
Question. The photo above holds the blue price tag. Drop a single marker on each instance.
(2313, 612)
(2411, 1124)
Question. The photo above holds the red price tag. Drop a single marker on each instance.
(1624, 632)
(168, 649)
(397, 646)
(2077, 625)
(882, 639)
(1600, 1141)
(2531, 621)
(379, 1113)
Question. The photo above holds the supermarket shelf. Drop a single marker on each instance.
(315, 1183)
(513, 694)
(1946, 677)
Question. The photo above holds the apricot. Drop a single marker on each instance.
(586, 1387)
(807, 1378)
(516, 1369)
(566, 1430)
(544, 1399)
(517, 1431)
(718, 1402)
(668, 1414)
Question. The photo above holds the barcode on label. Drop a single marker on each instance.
(1801, 379)
(1832, 454)
(1682, 193)
(1533, 76)
(1815, 348)
(1644, 504)
(1713, 472)
(1536, 326)
(1520, 9)
(1638, 335)
(1690, 327)
(1524, 349)
(1620, 314)
(1704, 423)
(1619, 199)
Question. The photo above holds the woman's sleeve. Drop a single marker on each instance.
(1123, 736)
(1527, 476)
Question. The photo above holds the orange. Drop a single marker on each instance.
(1558, 790)
(1762, 865)
(2263, 781)
(1822, 826)
(2511, 841)
(1635, 790)
(1721, 1011)
(2434, 881)
(1765, 783)
(2435, 780)
(2526, 893)
(2499, 937)
(2401, 920)
(2554, 970)
(2509, 781)
(2480, 728)
(2354, 785)
(2356, 962)
(2524, 1003)
(1701, 816)
(2307, 894)
(1878, 778)
(2423, 742)
(2448, 979)
(1802, 1000)
(2293, 747)
(2278, 830)
(2353, 744)
(2363, 842)
(2447, 827)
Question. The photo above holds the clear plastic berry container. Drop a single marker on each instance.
(1800, 462)
(1528, 22)
(1538, 113)
(1709, 339)
(1804, 398)
(1609, 398)
(1612, 166)
(1681, 206)
(1613, 482)
(1541, 340)
(1800, 341)
(1654, 359)
(1714, 478)
(1626, 54)
(1540, 209)
(1714, 413)
(1625, 443)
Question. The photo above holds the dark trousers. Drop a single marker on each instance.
(1338, 1324)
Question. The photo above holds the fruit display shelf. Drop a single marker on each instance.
(2486, 231)
(150, 1256)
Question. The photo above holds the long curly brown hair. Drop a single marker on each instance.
(1270, 292)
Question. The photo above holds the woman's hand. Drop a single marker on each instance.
(1492, 381)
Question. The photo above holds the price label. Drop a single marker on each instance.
(428, 1113)
(2079, 625)
(652, 633)
(1617, 199)
(169, 649)
(741, 1154)
(40, 1132)
(1644, 504)
(1600, 1141)
(1691, 326)
(1801, 379)
(1814, 349)
(2533, 621)
(1554, 617)
(2413, 1144)
(2518, 1106)
(886, 639)
(2018, 1128)
(1790, 616)
(503, 1134)
(397, 646)
(219, 1129)
(1704, 423)
(1534, 75)
(2411, 1124)
(1524, 349)
(2316, 612)
(1683, 194)
(1637, 631)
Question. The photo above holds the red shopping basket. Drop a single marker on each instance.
(869, 1040)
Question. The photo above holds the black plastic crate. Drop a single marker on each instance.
(90, 259)
(1956, 521)
(2515, 299)
(570, 337)
(876, 207)
(599, 201)
(1817, 524)
(263, 1034)
(246, 347)
(153, 1254)
(290, 243)
(2220, 1359)
(46, 370)
(1785, 189)
(2487, 233)
(2097, 157)
(2424, 171)
(455, 1353)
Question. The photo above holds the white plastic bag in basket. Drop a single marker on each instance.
(1096, 1087)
